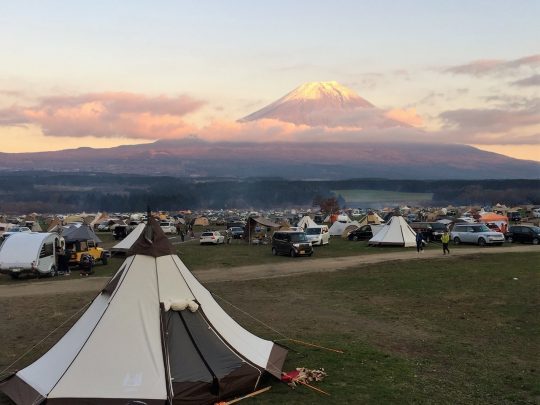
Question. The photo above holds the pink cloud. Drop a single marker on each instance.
(408, 116)
(107, 114)
(488, 66)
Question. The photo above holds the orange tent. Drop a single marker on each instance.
(500, 220)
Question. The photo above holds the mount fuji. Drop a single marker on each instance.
(327, 104)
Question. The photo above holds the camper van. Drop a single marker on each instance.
(318, 235)
(30, 253)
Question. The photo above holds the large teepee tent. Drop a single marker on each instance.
(154, 335)
(397, 232)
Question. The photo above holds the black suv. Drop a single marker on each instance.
(523, 233)
(237, 232)
(362, 233)
(291, 243)
(514, 216)
(430, 230)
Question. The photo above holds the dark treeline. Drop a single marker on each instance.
(63, 192)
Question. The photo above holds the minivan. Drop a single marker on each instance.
(291, 243)
(318, 235)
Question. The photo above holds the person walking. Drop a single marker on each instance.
(445, 239)
(419, 243)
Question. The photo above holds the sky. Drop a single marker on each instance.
(106, 73)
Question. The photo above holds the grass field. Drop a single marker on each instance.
(239, 253)
(366, 197)
(431, 331)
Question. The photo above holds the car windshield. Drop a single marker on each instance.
(313, 231)
(535, 229)
(207, 234)
(481, 228)
(298, 237)
(236, 229)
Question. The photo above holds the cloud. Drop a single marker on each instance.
(494, 125)
(489, 66)
(408, 116)
(528, 81)
(106, 114)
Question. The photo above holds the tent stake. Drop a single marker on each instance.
(244, 397)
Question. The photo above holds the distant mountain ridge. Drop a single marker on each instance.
(331, 160)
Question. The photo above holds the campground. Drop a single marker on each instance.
(415, 328)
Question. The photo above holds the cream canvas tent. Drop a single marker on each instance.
(306, 222)
(396, 232)
(338, 227)
(154, 335)
(125, 244)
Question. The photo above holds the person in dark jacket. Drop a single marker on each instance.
(419, 242)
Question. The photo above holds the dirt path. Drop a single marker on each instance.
(290, 267)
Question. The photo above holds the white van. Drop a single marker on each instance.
(30, 252)
(318, 235)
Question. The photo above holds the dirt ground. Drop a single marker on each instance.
(289, 267)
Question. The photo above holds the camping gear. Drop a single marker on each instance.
(154, 334)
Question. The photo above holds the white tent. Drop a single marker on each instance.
(154, 335)
(338, 227)
(306, 222)
(125, 244)
(396, 232)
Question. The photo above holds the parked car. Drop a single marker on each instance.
(430, 231)
(363, 233)
(211, 237)
(318, 235)
(17, 229)
(291, 243)
(514, 216)
(237, 232)
(523, 234)
(168, 227)
(475, 233)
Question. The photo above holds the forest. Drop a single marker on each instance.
(55, 192)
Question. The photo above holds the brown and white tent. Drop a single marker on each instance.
(154, 335)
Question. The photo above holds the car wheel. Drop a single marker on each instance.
(292, 253)
(510, 239)
(457, 241)
(274, 251)
(104, 260)
(355, 238)
(481, 242)
(52, 273)
(14, 276)
(535, 241)
(428, 239)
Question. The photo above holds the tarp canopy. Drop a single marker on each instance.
(154, 335)
(253, 222)
(81, 233)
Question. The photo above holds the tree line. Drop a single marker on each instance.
(74, 192)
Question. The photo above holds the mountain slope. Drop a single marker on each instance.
(196, 158)
(325, 104)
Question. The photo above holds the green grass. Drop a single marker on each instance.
(239, 253)
(461, 331)
(377, 196)
(454, 332)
